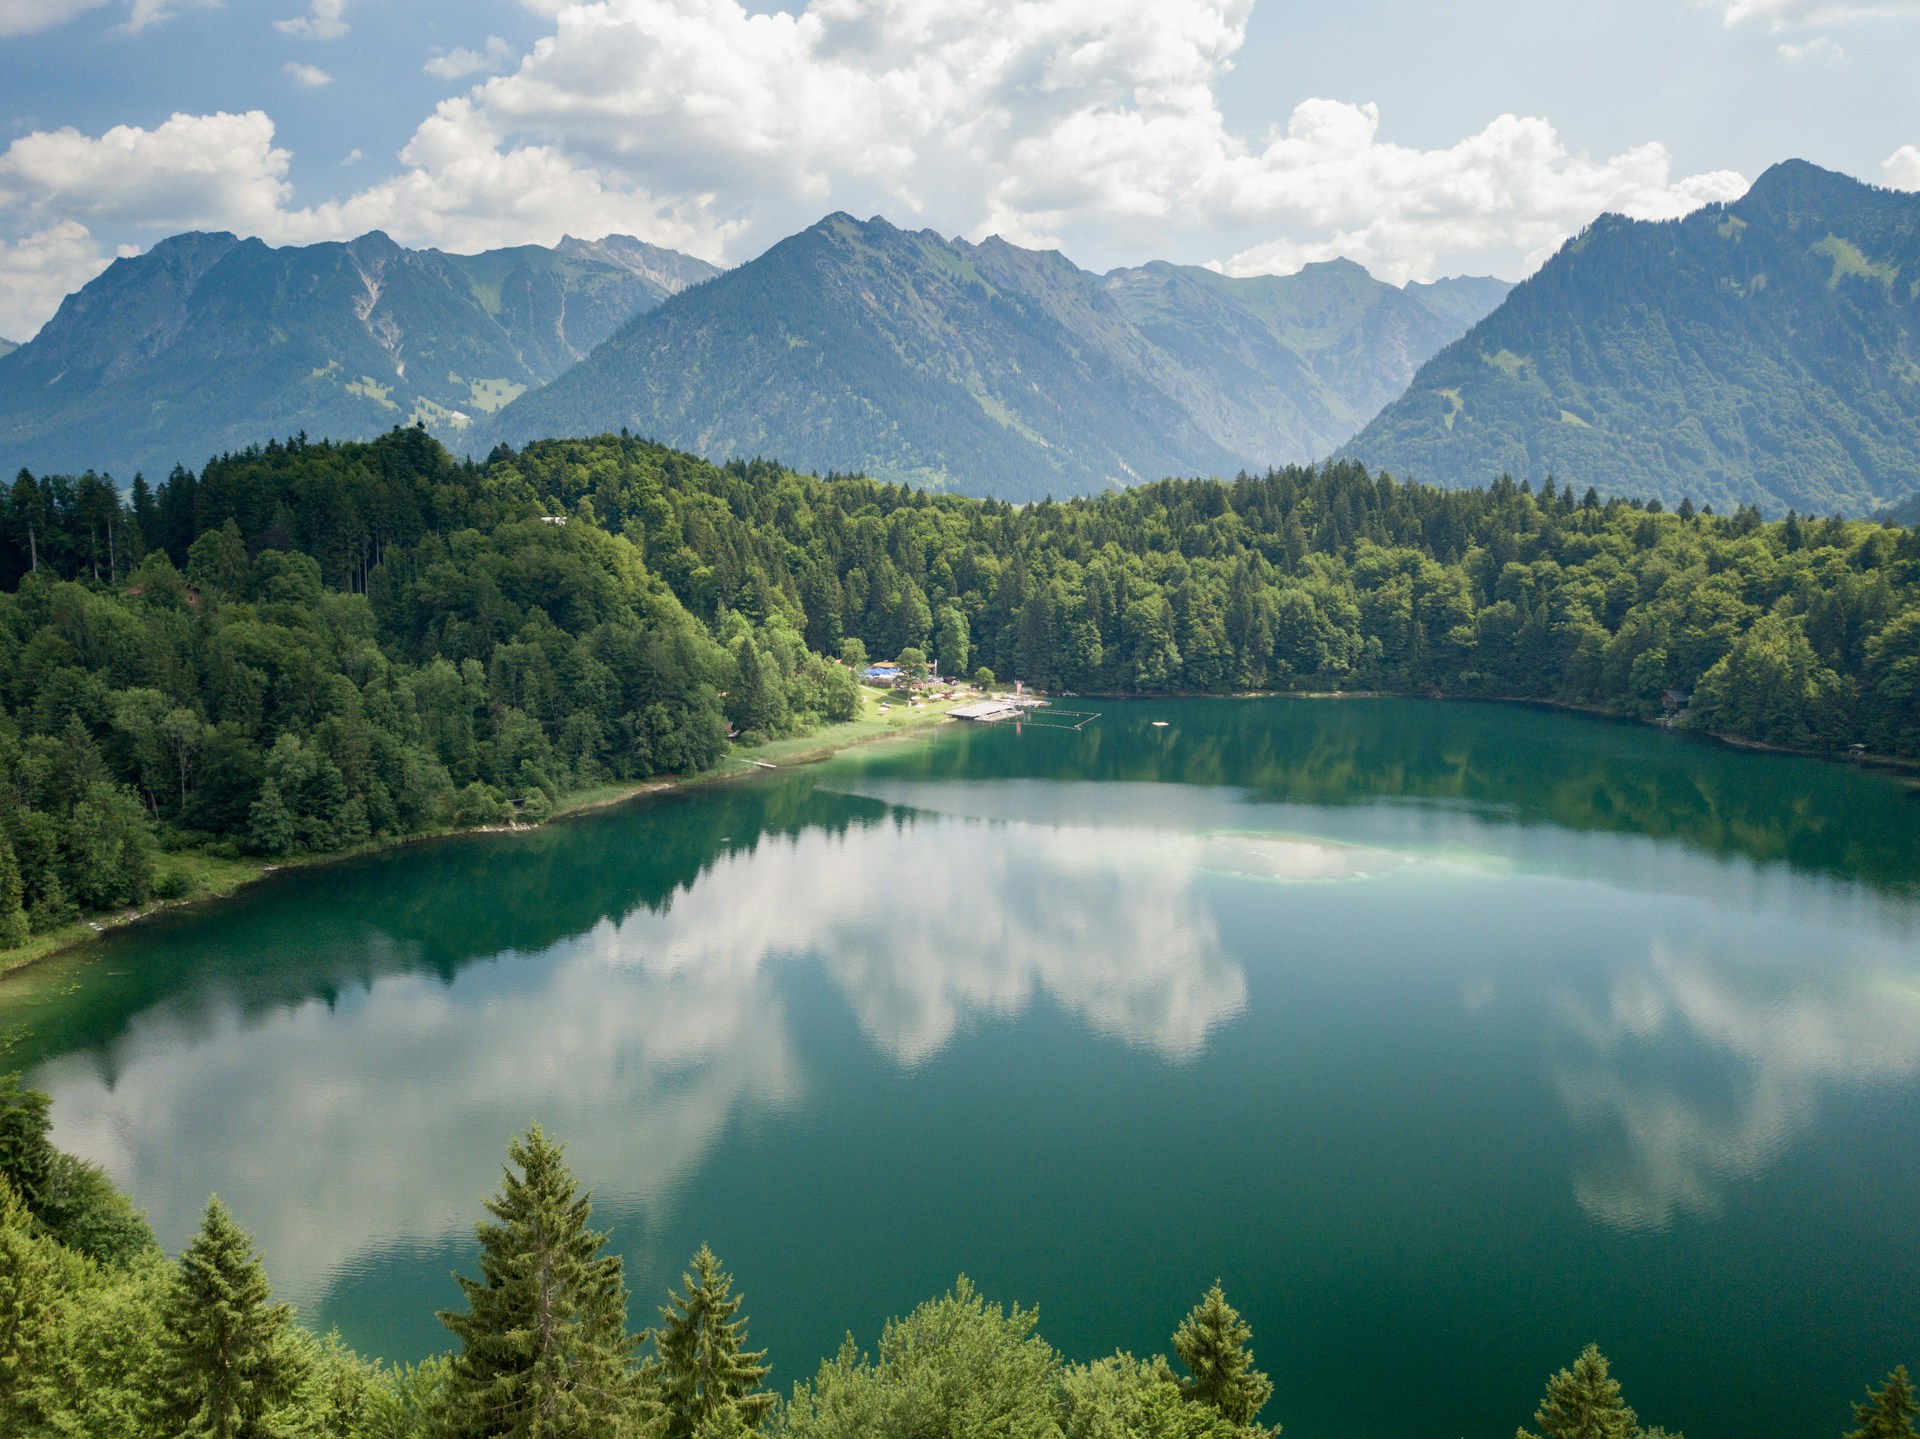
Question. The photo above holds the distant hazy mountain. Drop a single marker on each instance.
(6, 345)
(1766, 351)
(991, 369)
(208, 343)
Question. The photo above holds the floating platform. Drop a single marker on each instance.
(1024, 710)
(987, 711)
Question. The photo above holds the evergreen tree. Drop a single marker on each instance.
(14, 927)
(1212, 1342)
(704, 1368)
(270, 822)
(544, 1349)
(26, 1155)
(1887, 1413)
(29, 1319)
(227, 1354)
(1585, 1403)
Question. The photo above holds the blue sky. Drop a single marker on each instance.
(1251, 134)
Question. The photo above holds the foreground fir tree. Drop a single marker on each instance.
(30, 1315)
(26, 1155)
(1585, 1403)
(708, 1378)
(1212, 1342)
(227, 1356)
(1888, 1412)
(544, 1349)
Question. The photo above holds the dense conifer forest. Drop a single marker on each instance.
(308, 647)
(102, 1336)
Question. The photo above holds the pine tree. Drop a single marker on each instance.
(708, 1378)
(1212, 1342)
(544, 1349)
(1889, 1412)
(1585, 1403)
(227, 1352)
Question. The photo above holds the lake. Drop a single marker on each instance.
(1450, 1036)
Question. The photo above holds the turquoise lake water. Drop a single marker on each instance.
(1450, 1036)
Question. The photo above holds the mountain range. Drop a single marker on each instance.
(992, 369)
(209, 343)
(1765, 352)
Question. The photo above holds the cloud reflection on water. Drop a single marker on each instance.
(1783, 1036)
(642, 1040)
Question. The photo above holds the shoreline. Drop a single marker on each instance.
(222, 877)
(1881, 763)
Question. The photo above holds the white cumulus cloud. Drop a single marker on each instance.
(190, 171)
(1901, 169)
(24, 17)
(27, 17)
(308, 77)
(1820, 47)
(1094, 126)
(1090, 125)
(321, 22)
(40, 269)
(1779, 14)
(459, 62)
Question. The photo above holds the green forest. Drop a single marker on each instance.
(101, 1336)
(306, 648)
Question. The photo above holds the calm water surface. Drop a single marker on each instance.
(1451, 1036)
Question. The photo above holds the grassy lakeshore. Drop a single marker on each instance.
(199, 877)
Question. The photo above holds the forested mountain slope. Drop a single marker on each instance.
(1762, 352)
(996, 370)
(209, 343)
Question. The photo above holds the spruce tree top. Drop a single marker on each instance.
(704, 1367)
(1584, 1403)
(1889, 1412)
(1212, 1342)
(544, 1348)
(226, 1356)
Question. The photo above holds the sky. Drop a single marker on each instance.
(1251, 135)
